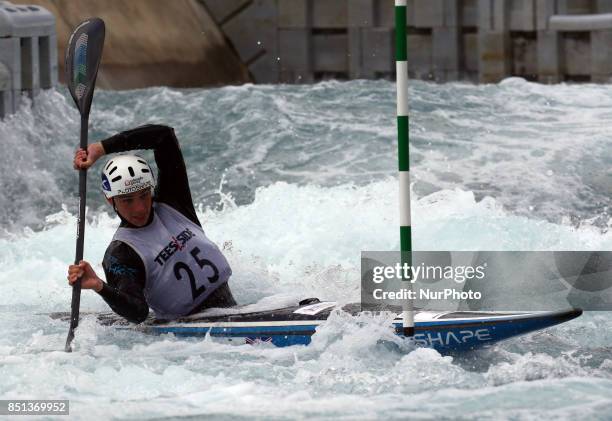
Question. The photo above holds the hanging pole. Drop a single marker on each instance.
(403, 154)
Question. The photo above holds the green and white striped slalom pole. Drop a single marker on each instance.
(401, 70)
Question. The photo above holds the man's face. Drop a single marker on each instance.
(135, 207)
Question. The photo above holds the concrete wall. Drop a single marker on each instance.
(301, 41)
(297, 41)
(189, 43)
(151, 43)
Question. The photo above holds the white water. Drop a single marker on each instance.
(300, 200)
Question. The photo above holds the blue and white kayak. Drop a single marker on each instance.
(442, 330)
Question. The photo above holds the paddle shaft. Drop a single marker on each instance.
(83, 57)
(80, 240)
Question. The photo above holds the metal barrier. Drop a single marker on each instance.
(581, 22)
(28, 53)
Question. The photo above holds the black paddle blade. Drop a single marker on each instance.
(82, 60)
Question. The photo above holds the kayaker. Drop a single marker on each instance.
(159, 256)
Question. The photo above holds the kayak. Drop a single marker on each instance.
(295, 325)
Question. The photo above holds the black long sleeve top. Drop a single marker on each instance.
(123, 267)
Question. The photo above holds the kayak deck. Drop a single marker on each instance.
(295, 325)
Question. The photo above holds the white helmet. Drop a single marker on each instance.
(125, 174)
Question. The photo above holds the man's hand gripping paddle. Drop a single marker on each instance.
(82, 60)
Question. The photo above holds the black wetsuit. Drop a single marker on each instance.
(124, 269)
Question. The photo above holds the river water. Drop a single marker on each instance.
(293, 182)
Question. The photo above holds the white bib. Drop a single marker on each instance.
(182, 266)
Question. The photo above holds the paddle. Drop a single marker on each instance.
(82, 60)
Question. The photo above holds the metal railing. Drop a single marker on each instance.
(28, 53)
